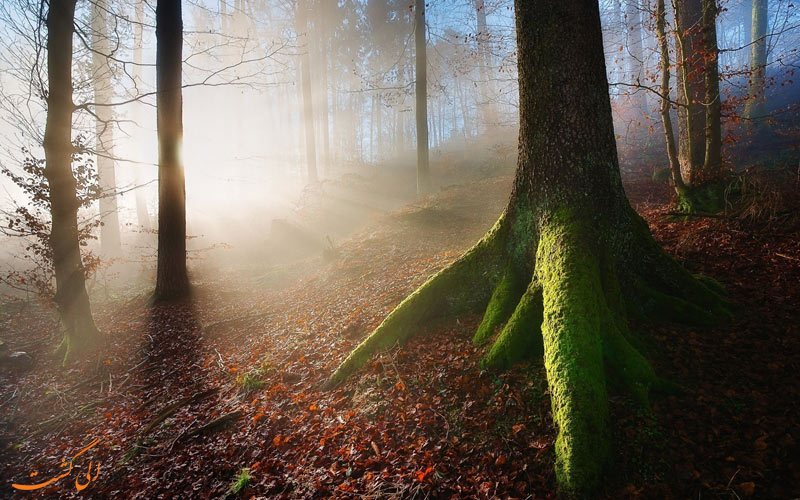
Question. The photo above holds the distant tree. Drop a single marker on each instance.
(103, 91)
(712, 102)
(421, 86)
(633, 40)
(142, 214)
(71, 298)
(755, 107)
(569, 259)
(699, 177)
(488, 111)
(666, 119)
(691, 91)
(301, 29)
(172, 280)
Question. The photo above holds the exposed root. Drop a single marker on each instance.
(463, 286)
(574, 312)
(80, 336)
(502, 304)
(521, 338)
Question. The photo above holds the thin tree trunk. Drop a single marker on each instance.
(712, 164)
(301, 20)
(691, 88)
(488, 115)
(756, 105)
(633, 34)
(666, 120)
(110, 243)
(421, 76)
(142, 214)
(379, 127)
(323, 82)
(172, 280)
(71, 298)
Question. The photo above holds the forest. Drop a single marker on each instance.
(400, 249)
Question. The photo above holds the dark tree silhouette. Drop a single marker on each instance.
(71, 298)
(172, 281)
(569, 259)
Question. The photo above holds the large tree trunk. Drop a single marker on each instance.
(756, 105)
(301, 28)
(569, 259)
(71, 298)
(421, 75)
(142, 214)
(110, 243)
(172, 281)
(691, 89)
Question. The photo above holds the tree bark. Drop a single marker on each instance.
(691, 88)
(110, 243)
(666, 119)
(756, 103)
(172, 280)
(71, 298)
(301, 27)
(569, 259)
(712, 164)
(421, 85)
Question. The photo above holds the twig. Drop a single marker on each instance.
(787, 257)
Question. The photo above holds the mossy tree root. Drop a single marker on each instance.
(80, 335)
(708, 198)
(573, 311)
(463, 286)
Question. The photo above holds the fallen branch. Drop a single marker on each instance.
(217, 423)
(168, 410)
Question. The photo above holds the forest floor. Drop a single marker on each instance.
(184, 397)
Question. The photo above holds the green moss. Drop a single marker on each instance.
(712, 284)
(502, 304)
(463, 286)
(570, 278)
(521, 337)
(708, 198)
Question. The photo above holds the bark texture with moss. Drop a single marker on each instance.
(569, 259)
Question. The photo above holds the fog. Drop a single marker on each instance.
(249, 199)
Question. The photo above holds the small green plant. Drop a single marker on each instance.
(249, 382)
(253, 379)
(240, 481)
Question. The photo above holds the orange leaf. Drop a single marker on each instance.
(748, 488)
